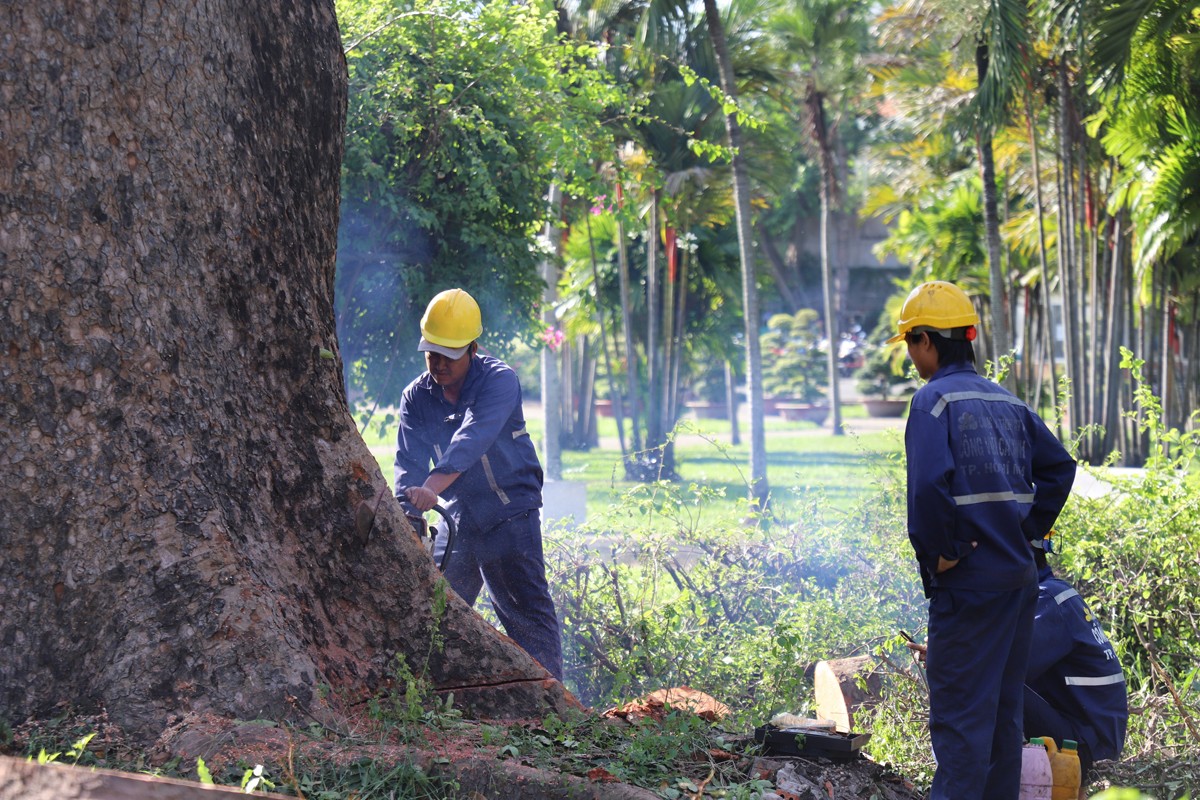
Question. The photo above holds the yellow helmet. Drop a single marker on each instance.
(450, 323)
(938, 305)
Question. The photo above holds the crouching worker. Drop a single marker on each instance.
(985, 478)
(462, 437)
(1074, 687)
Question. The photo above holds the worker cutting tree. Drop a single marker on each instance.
(986, 477)
(462, 438)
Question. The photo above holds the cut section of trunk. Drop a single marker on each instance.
(837, 689)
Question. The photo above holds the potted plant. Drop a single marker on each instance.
(707, 399)
(882, 384)
(794, 368)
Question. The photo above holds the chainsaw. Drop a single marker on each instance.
(364, 521)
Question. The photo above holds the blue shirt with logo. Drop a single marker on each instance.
(982, 467)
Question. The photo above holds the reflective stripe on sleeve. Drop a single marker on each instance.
(991, 497)
(491, 479)
(1065, 595)
(987, 397)
(1103, 680)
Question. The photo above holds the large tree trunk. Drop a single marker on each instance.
(180, 474)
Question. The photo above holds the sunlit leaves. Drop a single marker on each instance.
(460, 117)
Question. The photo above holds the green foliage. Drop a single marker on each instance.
(460, 117)
(942, 236)
(254, 778)
(1148, 60)
(733, 607)
(671, 756)
(365, 778)
(409, 705)
(793, 364)
(1132, 553)
(899, 722)
(77, 749)
(882, 373)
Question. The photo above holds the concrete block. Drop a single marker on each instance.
(564, 501)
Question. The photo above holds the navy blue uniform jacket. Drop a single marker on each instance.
(1074, 668)
(483, 437)
(982, 467)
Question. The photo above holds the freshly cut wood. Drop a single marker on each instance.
(837, 689)
(785, 720)
(24, 780)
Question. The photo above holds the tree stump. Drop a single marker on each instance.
(842, 686)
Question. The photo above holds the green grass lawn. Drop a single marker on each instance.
(801, 458)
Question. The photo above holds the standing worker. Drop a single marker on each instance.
(985, 478)
(1074, 688)
(463, 416)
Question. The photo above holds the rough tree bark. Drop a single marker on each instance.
(179, 473)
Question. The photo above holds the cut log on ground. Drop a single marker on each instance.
(838, 692)
(25, 780)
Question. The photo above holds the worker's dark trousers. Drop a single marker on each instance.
(508, 559)
(978, 653)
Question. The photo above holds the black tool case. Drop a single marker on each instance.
(810, 742)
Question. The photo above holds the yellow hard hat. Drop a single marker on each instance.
(938, 305)
(450, 323)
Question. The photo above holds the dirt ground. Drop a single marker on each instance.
(459, 754)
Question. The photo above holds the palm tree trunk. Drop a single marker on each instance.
(778, 266)
(655, 435)
(1116, 323)
(831, 320)
(551, 384)
(665, 419)
(759, 488)
(680, 332)
(1066, 250)
(1044, 293)
(631, 362)
(731, 402)
(618, 410)
(991, 223)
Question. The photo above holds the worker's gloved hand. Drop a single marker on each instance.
(422, 499)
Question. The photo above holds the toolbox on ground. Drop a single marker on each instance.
(810, 742)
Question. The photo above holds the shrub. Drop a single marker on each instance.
(739, 609)
(793, 364)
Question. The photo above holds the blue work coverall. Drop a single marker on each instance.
(495, 502)
(984, 468)
(1074, 688)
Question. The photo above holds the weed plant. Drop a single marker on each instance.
(651, 598)
(1133, 553)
